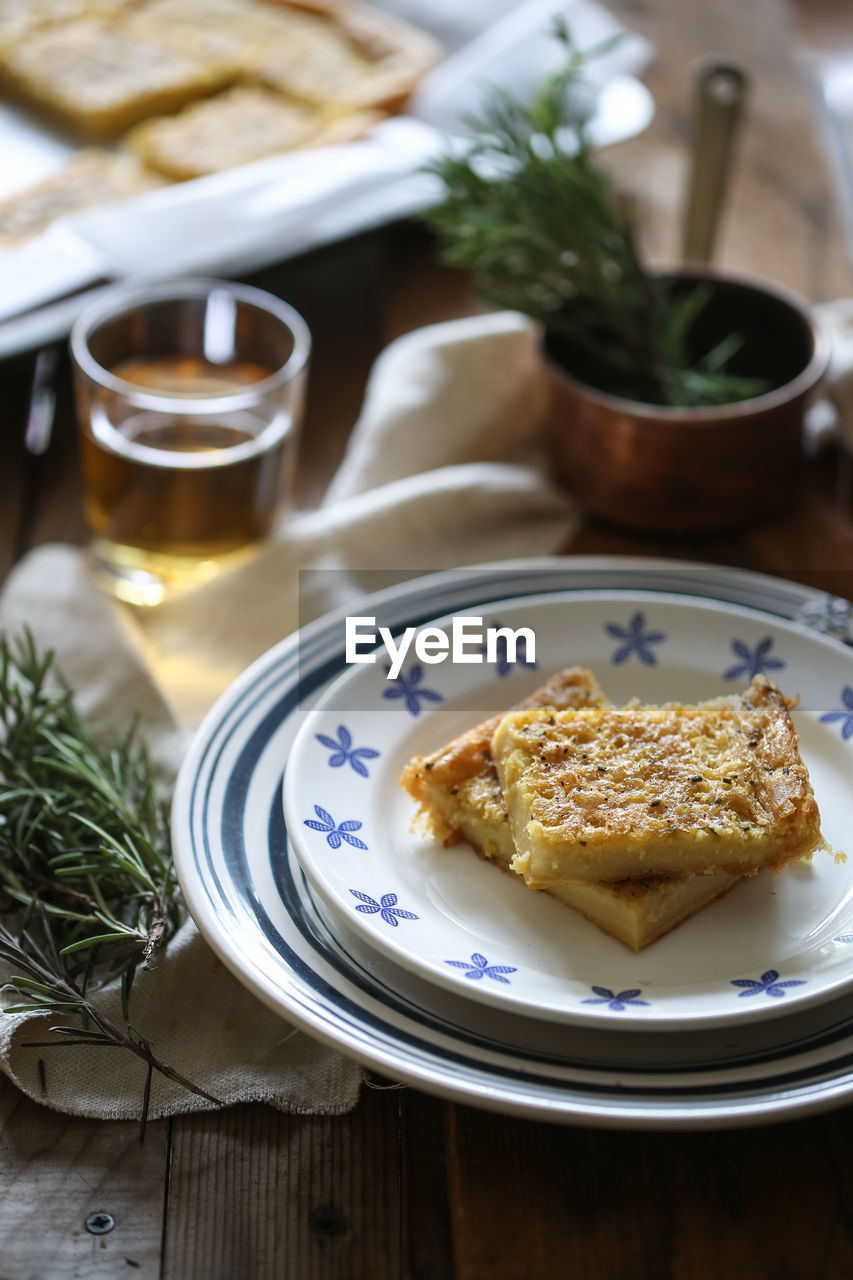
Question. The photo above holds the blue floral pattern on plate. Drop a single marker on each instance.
(845, 716)
(335, 832)
(386, 907)
(408, 685)
(616, 1000)
(342, 751)
(753, 662)
(636, 640)
(768, 984)
(478, 967)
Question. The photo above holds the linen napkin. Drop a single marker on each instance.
(445, 467)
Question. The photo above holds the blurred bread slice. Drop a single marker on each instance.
(236, 32)
(100, 78)
(19, 18)
(347, 55)
(337, 56)
(90, 177)
(247, 123)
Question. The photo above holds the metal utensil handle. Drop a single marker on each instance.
(39, 428)
(719, 96)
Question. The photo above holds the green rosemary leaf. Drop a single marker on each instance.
(42, 1006)
(539, 226)
(681, 314)
(141, 1035)
(67, 1042)
(722, 353)
(94, 1037)
(94, 941)
(88, 891)
(29, 984)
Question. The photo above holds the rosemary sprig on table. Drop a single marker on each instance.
(88, 891)
(537, 222)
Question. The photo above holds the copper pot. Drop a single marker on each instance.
(655, 469)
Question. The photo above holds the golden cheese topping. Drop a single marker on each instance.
(610, 792)
(459, 782)
(725, 765)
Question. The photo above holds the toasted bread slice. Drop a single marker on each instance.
(606, 793)
(19, 18)
(90, 177)
(457, 787)
(231, 31)
(100, 78)
(347, 55)
(638, 912)
(337, 56)
(247, 123)
(460, 798)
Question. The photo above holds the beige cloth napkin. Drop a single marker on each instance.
(445, 467)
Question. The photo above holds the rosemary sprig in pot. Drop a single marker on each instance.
(88, 892)
(529, 213)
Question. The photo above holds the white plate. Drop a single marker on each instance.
(773, 942)
(251, 901)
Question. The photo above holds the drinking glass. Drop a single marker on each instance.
(189, 401)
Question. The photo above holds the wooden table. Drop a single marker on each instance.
(408, 1185)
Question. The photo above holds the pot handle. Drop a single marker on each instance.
(830, 418)
(719, 95)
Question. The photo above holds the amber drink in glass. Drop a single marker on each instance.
(189, 399)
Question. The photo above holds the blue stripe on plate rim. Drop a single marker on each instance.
(375, 1023)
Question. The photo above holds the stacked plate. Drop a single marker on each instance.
(436, 969)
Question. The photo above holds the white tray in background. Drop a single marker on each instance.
(243, 219)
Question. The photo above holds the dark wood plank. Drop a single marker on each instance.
(427, 1237)
(824, 24)
(57, 1170)
(338, 290)
(16, 470)
(258, 1195)
(536, 1202)
(421, 290)
(54, 506)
